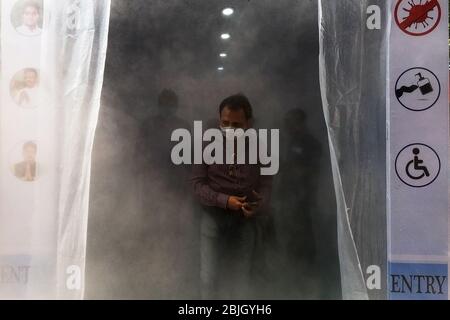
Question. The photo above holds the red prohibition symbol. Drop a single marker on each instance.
(418, 17)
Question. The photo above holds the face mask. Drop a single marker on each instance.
(231, 133)
(227, 131)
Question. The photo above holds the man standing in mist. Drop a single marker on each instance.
(234, 198)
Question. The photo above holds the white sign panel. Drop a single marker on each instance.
(418, 141)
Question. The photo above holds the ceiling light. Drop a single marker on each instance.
(228, 12)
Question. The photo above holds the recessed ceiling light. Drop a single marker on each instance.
(223, 55)
(225, 36)
(220, 68)
(228, 12)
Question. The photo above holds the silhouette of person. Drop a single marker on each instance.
(295, 196)
(30, 19)
(26, 170)
(154, 143)
(163, 199)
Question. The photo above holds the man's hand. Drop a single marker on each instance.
(251, 208)
(236, 203)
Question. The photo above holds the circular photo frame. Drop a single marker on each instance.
(23, 161)
(26, 17)
(24, 88)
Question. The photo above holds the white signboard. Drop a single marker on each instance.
(418, 150)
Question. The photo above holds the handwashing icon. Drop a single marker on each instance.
(417, 89)
(423, 84)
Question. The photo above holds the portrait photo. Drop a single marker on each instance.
(26, 17)
(24, 88)
(25, 163)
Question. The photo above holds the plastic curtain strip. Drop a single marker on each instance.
(353, 82)
(52, 74)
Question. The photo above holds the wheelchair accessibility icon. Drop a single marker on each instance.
(417, 165)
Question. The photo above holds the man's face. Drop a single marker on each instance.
(30, 17)
(234, 118)
(30, 78)
(29, 154)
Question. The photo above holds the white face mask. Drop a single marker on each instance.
(226, 131)
(231, 133)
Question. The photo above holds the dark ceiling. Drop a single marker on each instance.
(272, 55)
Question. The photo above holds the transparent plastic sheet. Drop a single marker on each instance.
(353, 85)
(78, 78)
(53, 208)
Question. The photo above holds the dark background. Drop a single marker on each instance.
(140, 252)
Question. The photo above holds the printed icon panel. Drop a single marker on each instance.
(417, 17)
(418, 89)
(417, 165)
